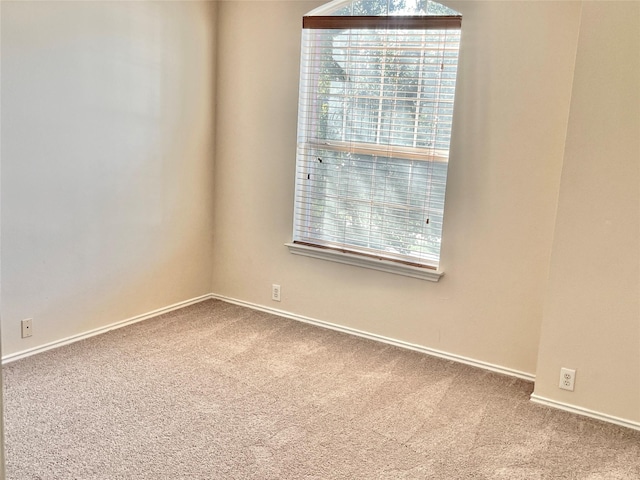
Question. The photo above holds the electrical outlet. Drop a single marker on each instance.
(275, 292)
(567, 379)
(27, 327)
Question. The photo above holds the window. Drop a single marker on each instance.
(377, 88)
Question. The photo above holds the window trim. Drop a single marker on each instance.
(365, 261)
(321, 19)
(394, 22)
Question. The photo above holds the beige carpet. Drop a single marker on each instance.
(217, 391)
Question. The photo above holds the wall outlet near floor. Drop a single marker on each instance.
(567, 379)
(27, 327)
(275, 292)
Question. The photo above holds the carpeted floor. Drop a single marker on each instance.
(217, 391)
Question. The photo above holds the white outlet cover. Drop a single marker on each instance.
(275, 292)
(27, 327)
(567, 379)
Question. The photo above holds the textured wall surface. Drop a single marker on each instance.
(592, 313)
(107, 121)
(515, 77)
(121, 195)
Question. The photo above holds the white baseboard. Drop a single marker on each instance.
(379, 338)
(584, 412)
(437, 353)
(97, 331)
(351, 331)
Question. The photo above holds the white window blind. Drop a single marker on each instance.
(374, 128)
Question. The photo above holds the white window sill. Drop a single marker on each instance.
(365, 262)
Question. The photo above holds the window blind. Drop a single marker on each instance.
(374, 128)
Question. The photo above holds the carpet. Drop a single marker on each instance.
(219, 391)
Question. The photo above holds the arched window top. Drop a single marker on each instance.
(382, 8)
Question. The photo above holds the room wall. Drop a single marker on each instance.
(108, 191)
(592, 314)
(2, 464)
(515, 82)
(107, 161)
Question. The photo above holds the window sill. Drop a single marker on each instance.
(365, 262)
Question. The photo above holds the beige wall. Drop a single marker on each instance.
(515, 79)
(592, 313)
(109, 200)
(107, 162)
(2, 465)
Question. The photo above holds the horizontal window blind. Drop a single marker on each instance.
(374, 128)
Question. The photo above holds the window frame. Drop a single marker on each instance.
(353, 256)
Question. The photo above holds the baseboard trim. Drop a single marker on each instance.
(380, 338)
(340, 328)
(585, 412)
(97, 331)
